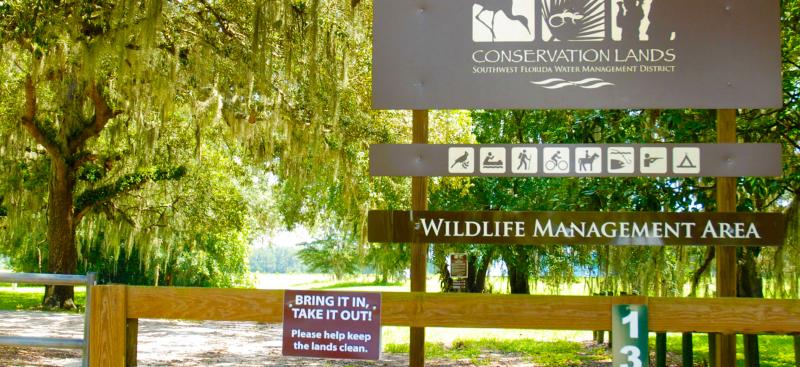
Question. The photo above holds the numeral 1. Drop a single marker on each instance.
(633, 320)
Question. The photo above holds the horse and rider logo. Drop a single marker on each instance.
(570, 20)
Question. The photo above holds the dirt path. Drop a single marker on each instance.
(183, 343)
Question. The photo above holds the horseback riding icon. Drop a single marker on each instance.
(585, 162)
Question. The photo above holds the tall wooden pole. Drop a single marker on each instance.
(726, 255)
(419, 251)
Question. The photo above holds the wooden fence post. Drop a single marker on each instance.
(687, 349)
(131, 342)
(107, 326)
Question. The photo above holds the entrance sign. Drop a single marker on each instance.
(576, 160)
(577, 228)
(443, 54)
(629, 330)
(320, 324)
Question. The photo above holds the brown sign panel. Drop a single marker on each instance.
(578, 228)
(343, 325)
(458, 266)
(576, 160)
(442, 54)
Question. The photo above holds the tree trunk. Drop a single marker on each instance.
(477, 276)
(750, 285)
(62, 252)
(518, 273)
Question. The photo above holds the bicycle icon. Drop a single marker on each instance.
(556, 161)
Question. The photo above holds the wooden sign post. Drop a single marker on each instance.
(419, 251)
(726, 255)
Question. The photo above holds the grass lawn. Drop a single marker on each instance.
(557, 353)
(774, 350)
(30, 298)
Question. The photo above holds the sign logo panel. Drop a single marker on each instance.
(435, 54)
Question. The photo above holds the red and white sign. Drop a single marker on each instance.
(342, 325)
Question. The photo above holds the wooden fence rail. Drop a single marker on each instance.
(116, 309)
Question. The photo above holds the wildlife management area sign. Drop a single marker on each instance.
(437, 54)
(577, 228)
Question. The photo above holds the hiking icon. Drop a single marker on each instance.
(524, 159)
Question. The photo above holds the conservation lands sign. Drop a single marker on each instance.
(575, 228)
(345, 325)
(576, 54)
(710, 160)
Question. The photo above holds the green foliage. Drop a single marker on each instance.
(275, 259)
(124, 184)
(337, 255)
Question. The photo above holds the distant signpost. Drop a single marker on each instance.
(344, 325)
(458, 266)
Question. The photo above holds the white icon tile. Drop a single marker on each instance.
(686, 160)
(492, 160)
(621, 160)
(524, 160)
(461, 160)
(653, 160)
(555, 160)
(588, 160)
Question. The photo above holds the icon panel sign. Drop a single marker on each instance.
(576, 160)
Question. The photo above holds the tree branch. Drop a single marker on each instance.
(710, 254)
(29, 121)
(224, 23)
(102, 114)
(92, 198)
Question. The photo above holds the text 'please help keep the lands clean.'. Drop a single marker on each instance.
(343, 325)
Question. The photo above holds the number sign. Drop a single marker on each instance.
(629, 326)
